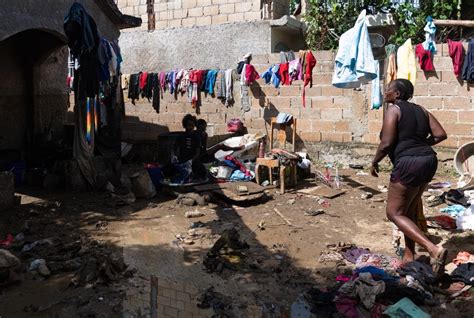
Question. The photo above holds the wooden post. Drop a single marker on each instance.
(461, 23)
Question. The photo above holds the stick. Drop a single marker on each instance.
(283, 217)
(154, 296)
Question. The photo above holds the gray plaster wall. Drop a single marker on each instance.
(212, 46)
(21, 15)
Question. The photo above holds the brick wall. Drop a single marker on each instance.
(183, 13)
(331, 114)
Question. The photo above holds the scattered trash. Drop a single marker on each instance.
(217, 302)
(193, 214)
(29, 247)
(215, 260)
(465, 219)
(101, 225)
(378, 199)
(361, 173)
(19, 237)
(366, 195)
(39, 265)
(356, 166)
(8, 241)
(382, 188)
(441, 221)
(191, 199)
(197, 224)
(101, 298)
(453, 210)
(291, 201)
(440, 185)
(265, 183)
(314, 213)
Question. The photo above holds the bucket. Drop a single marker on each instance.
(464, 159)
(156, 174)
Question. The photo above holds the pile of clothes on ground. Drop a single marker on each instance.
(231, 169)
(375, 284)
(459, 213)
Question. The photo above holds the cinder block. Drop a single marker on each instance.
(180, 14)
(331, 114)
(243, 6)
(204, 3)
(175, 23)
(458, 129)
(189, 22)
(189, 4)
(429, 102)
(442, 89)
(206, 20)
(195, 12)
(171, 312)
(289, 91)
(466, 116)
(446, 116)
(375, 126)
(323, 125)
(211, 10)
(321, 102)
(428, 77)
(163, 301)
(331, 91)
(342, 126)
(461, 103)
(235, 17)
(422, 90)
(221, 18)
(307, 136)
(227, 8)
(252, 16)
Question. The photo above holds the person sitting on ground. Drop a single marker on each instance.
(207, 154)
(408, 132)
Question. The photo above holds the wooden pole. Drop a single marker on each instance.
(462, 23)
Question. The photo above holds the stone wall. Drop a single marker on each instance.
(331, 114)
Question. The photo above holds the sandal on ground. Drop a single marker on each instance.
(439, 262)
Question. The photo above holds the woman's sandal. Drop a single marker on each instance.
(439, 262)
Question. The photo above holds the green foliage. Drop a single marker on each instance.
(328, 19)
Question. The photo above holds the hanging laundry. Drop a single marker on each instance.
(105, 54)
(125, 81)
(143, 78)
(406, 62)
(134, 87)
(220, 84)
(425, 58)
(147, 90)
(272, 75)
(376, 90)
(294, 70)
(310, 63)
(204, 80)
(196, 78)
(229, 97)
(244, 90)
(184, 83)
(468, 66)
(163, 81)
(210, 81)
(156, 92)
(354, 63)
(430, 33)
(390, 52)
(456, 52)
(251, 75)
(284, 73)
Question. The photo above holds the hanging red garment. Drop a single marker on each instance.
(425, 58)
(456, 52)
(251, 75)
(308, 72)
(284, 73)
(142, 80)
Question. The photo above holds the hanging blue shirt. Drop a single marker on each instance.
(272, 75)
(354, 63)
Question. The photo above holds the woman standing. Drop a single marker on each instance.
(408, 132)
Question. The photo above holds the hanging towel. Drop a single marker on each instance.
(425, 58)
(376, 92)
(456, 52)
(406, 62)
(220, 81)
(468, 66)
(229, 97)
(390, 51)
(354, 64)
(430, 33)
(310, 63)
(211, 81)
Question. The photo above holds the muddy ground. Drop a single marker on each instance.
(148, 235)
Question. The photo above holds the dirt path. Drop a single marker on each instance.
(281, 262)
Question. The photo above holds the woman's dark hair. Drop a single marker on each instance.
(404, 87)
(187, 118)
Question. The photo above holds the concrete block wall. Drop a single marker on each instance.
(330, 115)
(183, 13)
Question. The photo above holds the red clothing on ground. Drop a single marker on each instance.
(456, 51)
(425, 58)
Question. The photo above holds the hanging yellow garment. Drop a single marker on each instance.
(390, 63)
(406, 62)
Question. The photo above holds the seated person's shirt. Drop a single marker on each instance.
(188, 143)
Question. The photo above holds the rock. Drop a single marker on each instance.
(8, 260)
(291, 201)
(39, 265)
(193, 214)
(382, 188)
(366, 195)
(188, 242)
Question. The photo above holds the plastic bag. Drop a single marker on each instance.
(465, 220)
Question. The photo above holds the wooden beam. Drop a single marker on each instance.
(461, 23)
